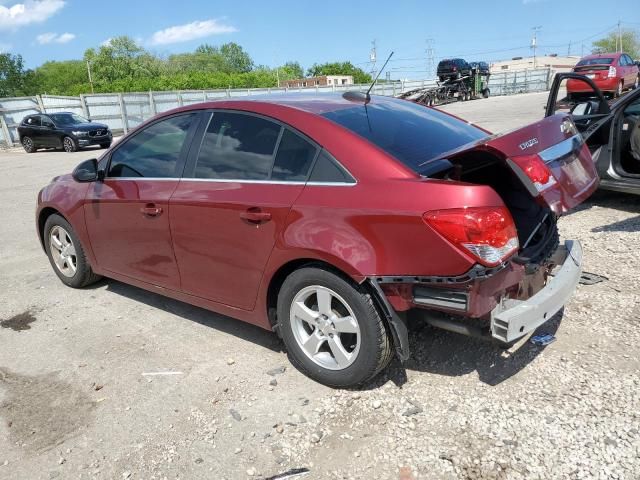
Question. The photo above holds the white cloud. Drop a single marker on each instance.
(45, 38)
(31, 11)
(107, 42)
(190, 31)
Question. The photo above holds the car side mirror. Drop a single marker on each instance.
(88, 171)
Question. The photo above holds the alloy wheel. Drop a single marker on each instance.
(619, 91)
(27, 143)
(63, 252)
(67, 143)
(325, 327)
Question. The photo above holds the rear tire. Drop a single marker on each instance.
(66, 254)
(28, 145)
(619, 90)
(332, 329)
(485, 93)
(69, 145)
(636, 84)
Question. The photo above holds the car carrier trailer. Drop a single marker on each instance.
(465, 88)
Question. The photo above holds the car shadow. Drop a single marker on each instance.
(440, 352)
(626, 225)
(242, 330)
(433, 350)
(626, 202)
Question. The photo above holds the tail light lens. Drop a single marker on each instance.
(612, 72)
(487, 233)
(537, 171)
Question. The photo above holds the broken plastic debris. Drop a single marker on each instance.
(543, 339)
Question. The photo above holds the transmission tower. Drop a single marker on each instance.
(372, 58)
(430, 58)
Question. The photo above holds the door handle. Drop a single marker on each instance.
(150, 210)
(255, 215)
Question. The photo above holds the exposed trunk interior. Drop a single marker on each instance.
(535, 222)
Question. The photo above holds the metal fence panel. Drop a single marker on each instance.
(125, 111)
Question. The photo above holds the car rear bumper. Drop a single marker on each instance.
(513, 319)
(606, 85)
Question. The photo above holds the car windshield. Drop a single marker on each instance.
(67, 119)
(411, 133)
(595, 61)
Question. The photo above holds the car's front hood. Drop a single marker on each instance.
(85, 127)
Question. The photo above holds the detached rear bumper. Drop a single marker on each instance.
(513, 319)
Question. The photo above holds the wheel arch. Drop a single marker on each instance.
(44, 214)
(396, 326)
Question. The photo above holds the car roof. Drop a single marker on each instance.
(315, 103)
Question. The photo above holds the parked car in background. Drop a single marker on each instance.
(328, 218)
(64, 130)
(481, 67)
(613, 73)
(610, 129)
(452, 69)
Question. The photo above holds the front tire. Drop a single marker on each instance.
(105, 145)
(332, 329)
(28, 145)
(69, 145)
(66, 254)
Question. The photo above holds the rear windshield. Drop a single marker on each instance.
(595, 61)
(412, 133)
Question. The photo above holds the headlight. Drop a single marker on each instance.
(81, 134)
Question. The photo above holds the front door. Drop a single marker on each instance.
(226, 218)
(127, 214)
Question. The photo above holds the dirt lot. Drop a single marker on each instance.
(113, 382)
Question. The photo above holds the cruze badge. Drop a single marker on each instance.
(529, 143)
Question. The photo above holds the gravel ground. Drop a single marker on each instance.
(113, 382)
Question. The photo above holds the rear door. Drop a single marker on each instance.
(232, 205)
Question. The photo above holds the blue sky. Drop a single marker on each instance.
(278, 31)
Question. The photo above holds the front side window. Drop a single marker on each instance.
(237, 146)
(33, 121)
(154, 152)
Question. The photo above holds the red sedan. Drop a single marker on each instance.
(328, 219)
(611, 72)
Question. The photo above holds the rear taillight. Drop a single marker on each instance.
(537, 171)
(487, 233)
(612, 72)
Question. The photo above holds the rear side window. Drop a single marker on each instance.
(411, 133)
(327, 170)
(294, 158)
(237, 146)
(154, 152)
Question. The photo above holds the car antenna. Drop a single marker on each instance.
(368, 97)
(357, 95)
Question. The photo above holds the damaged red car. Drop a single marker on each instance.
(328, 219)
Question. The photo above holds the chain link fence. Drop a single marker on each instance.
(124, 111)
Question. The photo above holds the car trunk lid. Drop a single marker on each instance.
(549, 157)
(554, 145)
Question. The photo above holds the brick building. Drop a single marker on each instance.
(322, 81)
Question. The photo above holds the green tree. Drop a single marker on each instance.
(611, 43)
(121, 59)
(290, 71)
(60, 78)
(340, 68)
(13, 77)
(235, 58)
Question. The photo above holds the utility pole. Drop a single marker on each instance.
(569, 49)
(582, 50)
(89, 72)
(430, 57)
(619, 36)
(372, 58)
(534, 44)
